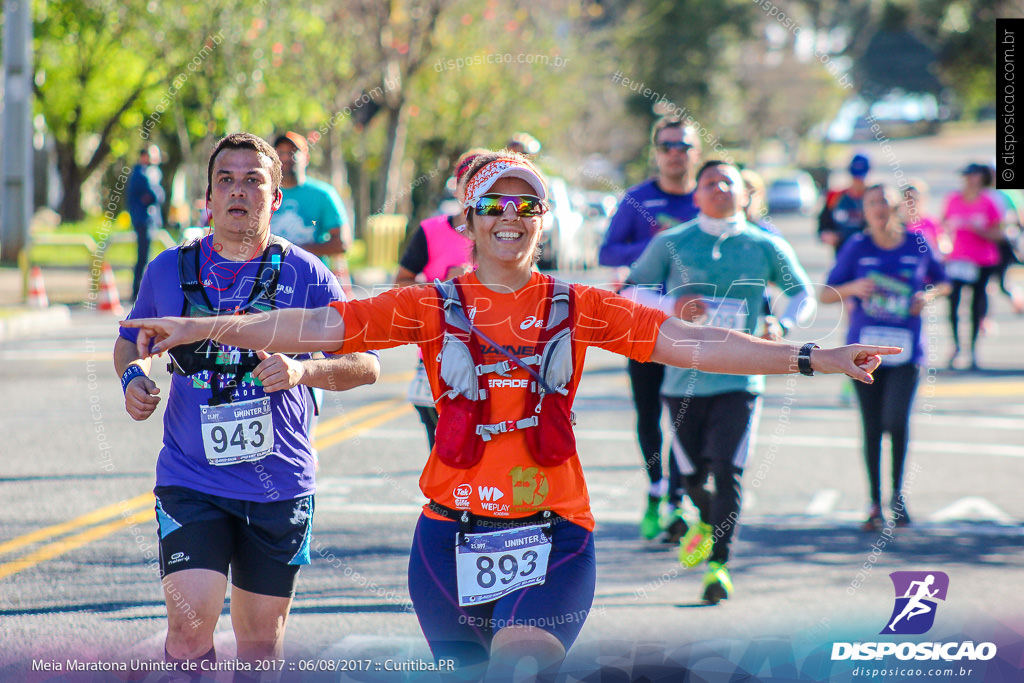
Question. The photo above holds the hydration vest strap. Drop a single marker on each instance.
(196, 300)
(487, 431)
(504, 367)
(452, 393)
(559, 304)
(454, 315)
(266, 279)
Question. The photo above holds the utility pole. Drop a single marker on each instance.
(17, 129)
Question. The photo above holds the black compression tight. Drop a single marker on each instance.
(885, 407)
(645, 380)
(979, 304)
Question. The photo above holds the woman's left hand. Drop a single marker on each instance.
(856, 360)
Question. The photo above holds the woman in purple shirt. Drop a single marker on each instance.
(890, 275)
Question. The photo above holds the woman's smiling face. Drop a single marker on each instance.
(508, 239)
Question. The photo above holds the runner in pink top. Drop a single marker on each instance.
(973, 220)
(438, 249)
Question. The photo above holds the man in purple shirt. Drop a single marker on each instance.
(235, 474)
(645, 210)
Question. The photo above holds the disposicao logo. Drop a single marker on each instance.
(917, 594)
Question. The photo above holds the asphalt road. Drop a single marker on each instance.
(77, 530)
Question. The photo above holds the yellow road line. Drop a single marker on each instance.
(65, 527)
(369, 424)
(349, 417)
(139, 505)
(941, 389)
(52, 550)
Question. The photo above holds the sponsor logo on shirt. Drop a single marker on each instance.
(489, 495)
(529, 486)
(462, 493)
(521, 351)
(509, 383)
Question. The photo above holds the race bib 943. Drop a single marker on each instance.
(237, 432)
(492, 565)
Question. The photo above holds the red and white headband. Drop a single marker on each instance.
(493, 171)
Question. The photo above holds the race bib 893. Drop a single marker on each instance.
(492, 565)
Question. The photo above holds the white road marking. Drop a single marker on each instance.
(823, 502)
(972, 508)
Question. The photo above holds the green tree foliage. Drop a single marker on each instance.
(678, 48)
(94, 70)
(389, 92)
(963, 33)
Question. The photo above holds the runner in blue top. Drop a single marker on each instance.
(235, 475)
(645, 210)
(716, 269)
(889, 275)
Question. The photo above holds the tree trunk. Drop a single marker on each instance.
(362, 203)
(392, 188)
(71, 180)
(337, 169)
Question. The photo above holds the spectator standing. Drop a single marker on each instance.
(145, 197)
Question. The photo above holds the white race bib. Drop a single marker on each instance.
(728, 313)
(964, 271)
(492, 565)
(419, 393)
(876, 335)
(237, 432)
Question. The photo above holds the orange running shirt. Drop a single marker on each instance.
(507, 482)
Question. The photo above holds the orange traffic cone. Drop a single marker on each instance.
(110, 300)
(36, 289)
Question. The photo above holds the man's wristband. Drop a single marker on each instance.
(129, 374)
(803, 359)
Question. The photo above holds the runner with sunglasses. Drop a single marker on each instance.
(502, 566)
(645, 210)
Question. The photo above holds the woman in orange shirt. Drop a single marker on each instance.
(502, 563)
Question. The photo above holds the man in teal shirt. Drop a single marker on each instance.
(715, 269)
(312, 215)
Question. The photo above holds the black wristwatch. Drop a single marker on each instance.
(803, 359)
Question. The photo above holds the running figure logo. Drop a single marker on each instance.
(916, 595)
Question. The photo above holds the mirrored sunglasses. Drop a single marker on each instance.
(495, 204)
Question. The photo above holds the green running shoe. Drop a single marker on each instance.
(696, 545)
(650, 525)
(717, 584)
